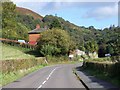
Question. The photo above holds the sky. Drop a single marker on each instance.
(88, 13)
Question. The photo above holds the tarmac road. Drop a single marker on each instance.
(57, 76)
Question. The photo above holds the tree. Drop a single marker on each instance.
(11, 28)
(102, 50)
(55, 24)
(53, 42)
(8, 14)
(91, 27)
(109, 49)
(116, 46)
(91, 46)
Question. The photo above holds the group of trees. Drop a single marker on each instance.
(10, 27)
(54, 42)
(88, 39)
(15, 25)
(109, 41)
(62, 35)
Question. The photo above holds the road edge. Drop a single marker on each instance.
(78, 77)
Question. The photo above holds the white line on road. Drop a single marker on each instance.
(44, 82)
(39, 87)
(47, 78)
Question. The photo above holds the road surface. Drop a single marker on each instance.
(58, 76)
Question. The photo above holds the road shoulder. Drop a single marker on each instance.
(91, 82)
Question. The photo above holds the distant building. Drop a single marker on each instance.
(35, 34)
(79, 52)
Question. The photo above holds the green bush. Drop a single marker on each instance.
(110, 69)
(20, 64)
(54, 42)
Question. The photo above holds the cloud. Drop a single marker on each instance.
(102, 12)
(96, 10)
(65, 0)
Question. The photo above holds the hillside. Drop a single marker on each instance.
(17, 28)
(13, 52)
(25, 11)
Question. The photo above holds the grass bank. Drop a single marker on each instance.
(13, 52)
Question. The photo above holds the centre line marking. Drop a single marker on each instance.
(47, 78)
(44, 82)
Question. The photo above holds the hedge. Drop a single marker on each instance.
(20, 64)
(111, 69)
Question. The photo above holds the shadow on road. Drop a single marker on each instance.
(92, 82)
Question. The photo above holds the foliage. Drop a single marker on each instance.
(10, 27)
(28, 21)
(108, 69)
(8, 14)
(53, 42)
(20, 64)
(91, 46)
(107, 39)
(109, 49)
(15, 75)
(102, 50)
(109, 42)
(55, 24)
(49, 50)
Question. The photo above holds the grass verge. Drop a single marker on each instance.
(12, 76)
(13, 52)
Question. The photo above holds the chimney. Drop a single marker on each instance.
(37, 26)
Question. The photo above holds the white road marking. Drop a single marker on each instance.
(47, 78)
(44, 82)
(39, 87)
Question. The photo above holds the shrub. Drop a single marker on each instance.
(53, 42)
(110, 69)
(20, 64)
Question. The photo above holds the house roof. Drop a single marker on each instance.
(36, 31)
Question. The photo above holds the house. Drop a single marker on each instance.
(79, 52)
(34, 35)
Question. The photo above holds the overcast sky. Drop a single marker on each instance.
(97, 14)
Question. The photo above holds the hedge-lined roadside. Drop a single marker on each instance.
(107, 69)
(20, 64)
(12, 76)
(111, 69)
(15, 69)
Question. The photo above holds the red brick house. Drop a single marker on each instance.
(35, 34)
